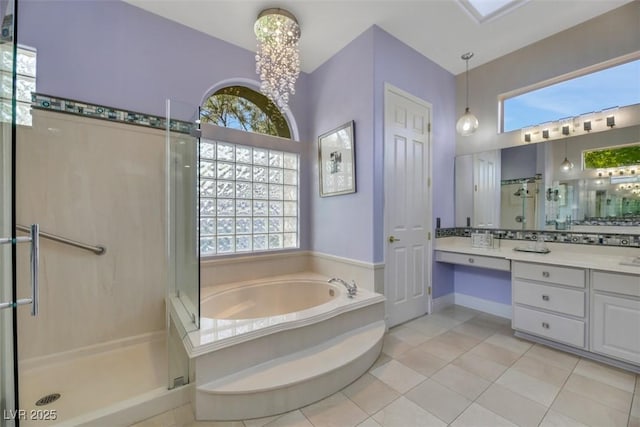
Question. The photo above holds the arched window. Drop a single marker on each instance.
(239, 107)
(248, 188)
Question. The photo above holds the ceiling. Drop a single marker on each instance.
(442, 30)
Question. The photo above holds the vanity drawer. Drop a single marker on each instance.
(494, 263)
(626, 284)
(561, 300)
(550, 273)
(550, 326)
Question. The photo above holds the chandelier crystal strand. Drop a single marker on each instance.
(278, 57)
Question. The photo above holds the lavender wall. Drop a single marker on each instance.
(403, 67)
(117, 55)
(492, 285)
(112, 53)
(341, 90)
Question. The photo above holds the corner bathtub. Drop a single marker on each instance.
(268, 299)
(271, 347)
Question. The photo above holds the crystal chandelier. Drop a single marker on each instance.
(277, 59)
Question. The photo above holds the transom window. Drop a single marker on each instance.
(617, 86)
(612, 157)
(242, 108)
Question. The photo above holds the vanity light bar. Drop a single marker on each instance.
(572, 126)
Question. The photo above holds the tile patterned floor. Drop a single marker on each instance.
(461, 368)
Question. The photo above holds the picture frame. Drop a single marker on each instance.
(336, 161)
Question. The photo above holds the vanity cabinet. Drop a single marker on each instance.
(550, 301)
(474, 260)
(588, 305)
(615, 316)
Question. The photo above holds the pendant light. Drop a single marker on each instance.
(566, 165)
(468, 123)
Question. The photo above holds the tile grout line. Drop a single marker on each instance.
(471, 402)
(558, 394)
(495, 330)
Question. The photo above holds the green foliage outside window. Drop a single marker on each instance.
(612, 157)
(239, 107)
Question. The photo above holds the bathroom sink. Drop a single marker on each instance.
(631, 261)
(533, 249)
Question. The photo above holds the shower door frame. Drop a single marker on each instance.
(9, 402)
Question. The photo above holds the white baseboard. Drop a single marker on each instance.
(442, 302)
(486, 306)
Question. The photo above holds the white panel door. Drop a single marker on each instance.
(486, 194)
(407, 206)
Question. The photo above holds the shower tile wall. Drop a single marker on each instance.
(99, 183)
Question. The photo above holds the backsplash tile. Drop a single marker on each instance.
(626, 240)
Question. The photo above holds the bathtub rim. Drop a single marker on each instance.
(339, 293)
(196, 344)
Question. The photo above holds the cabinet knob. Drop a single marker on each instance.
(545, 325)
(471, 260)
(545, 274)
(545, 297)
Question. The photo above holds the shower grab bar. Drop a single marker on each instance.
(98, 250)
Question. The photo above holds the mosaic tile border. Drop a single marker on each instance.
(41, 101)
(626, 240)
(529, 180)
(619, 221)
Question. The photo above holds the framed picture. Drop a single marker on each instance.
(336, 161)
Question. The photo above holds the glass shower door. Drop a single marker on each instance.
(183, 249)
(8, 377)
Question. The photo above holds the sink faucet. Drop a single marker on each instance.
(351, 288)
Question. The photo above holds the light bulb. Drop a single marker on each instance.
(467, 124)
(566, 165)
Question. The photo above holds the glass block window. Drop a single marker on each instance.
(26, 83)
(248, 199)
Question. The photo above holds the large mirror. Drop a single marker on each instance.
(596, 190)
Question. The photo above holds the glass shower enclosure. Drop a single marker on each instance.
(8, 285)
(183, 291)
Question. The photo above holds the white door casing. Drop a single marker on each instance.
(407, 206)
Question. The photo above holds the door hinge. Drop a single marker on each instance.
(429, 127)
(428, 235)
(429, 290)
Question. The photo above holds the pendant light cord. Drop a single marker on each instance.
(467, 56)
(467, 79)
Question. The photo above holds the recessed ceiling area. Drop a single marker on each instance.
(441, 30)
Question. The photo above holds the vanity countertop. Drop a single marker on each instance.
(595, 257)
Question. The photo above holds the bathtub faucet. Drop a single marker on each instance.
(351, 288)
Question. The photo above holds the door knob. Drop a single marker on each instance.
(393, 239)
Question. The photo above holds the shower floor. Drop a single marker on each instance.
(95, 381)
